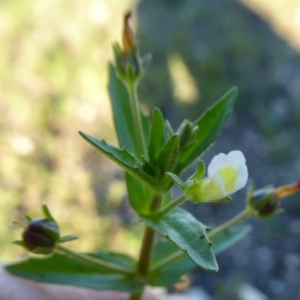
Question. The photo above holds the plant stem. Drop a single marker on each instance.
(173, 204)
(246, 213)
(146, 249)
(132, 88)
(143, 264)
(92, 260)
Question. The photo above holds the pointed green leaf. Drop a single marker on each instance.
(176, 180)
(123, 158)
(168, 155)
(230, 237)
(157, 135)
(28, 218)
(145, 125)
(187, 233)
(171, 273)
(47, 213)
(169, 129)
(62, 269)
(140, 196)
(122, 113)
(210, 125)
(146, 59)
(200, 171)
(67, 238)
(19, 243)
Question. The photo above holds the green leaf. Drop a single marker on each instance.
(157, 135)
(169, 129)
(167, 158)
(169, 274)
(19, 243)
(139, 195)
(145, 125)
(67, 238)
(47, 213)
(62, 269)
(210, 125)
(123, 158)
(28, 218)
(229, 237)
(122, 113)
(146, 59)
(200, 171)
(176, 180)
(187, 233)
(167, 198)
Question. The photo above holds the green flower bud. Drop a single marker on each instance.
(40, 236)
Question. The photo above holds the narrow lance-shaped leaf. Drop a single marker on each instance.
(122, 113)
(210, 125)
(123, 158)
(157, 135)
(168, 155)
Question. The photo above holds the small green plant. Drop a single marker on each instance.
(153, 155)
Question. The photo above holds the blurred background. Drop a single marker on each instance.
(53, 78)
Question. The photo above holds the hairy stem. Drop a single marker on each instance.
(92, 260)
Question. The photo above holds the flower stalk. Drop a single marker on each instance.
(92, 260)
(172, 204)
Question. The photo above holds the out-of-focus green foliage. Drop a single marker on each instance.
(53, 78)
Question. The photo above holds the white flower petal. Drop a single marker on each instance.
(217, 162)
(229, 171)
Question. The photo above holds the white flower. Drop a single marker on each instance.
(226, 175)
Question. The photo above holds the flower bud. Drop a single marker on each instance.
(264, 202)
(130, 66)
(128, 39)
(40, 236)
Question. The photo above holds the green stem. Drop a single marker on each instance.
(146, 249)
(173, 204)
(132, 88)
(137, 296)
(246, 213)
(93, 261)
(145, 253)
